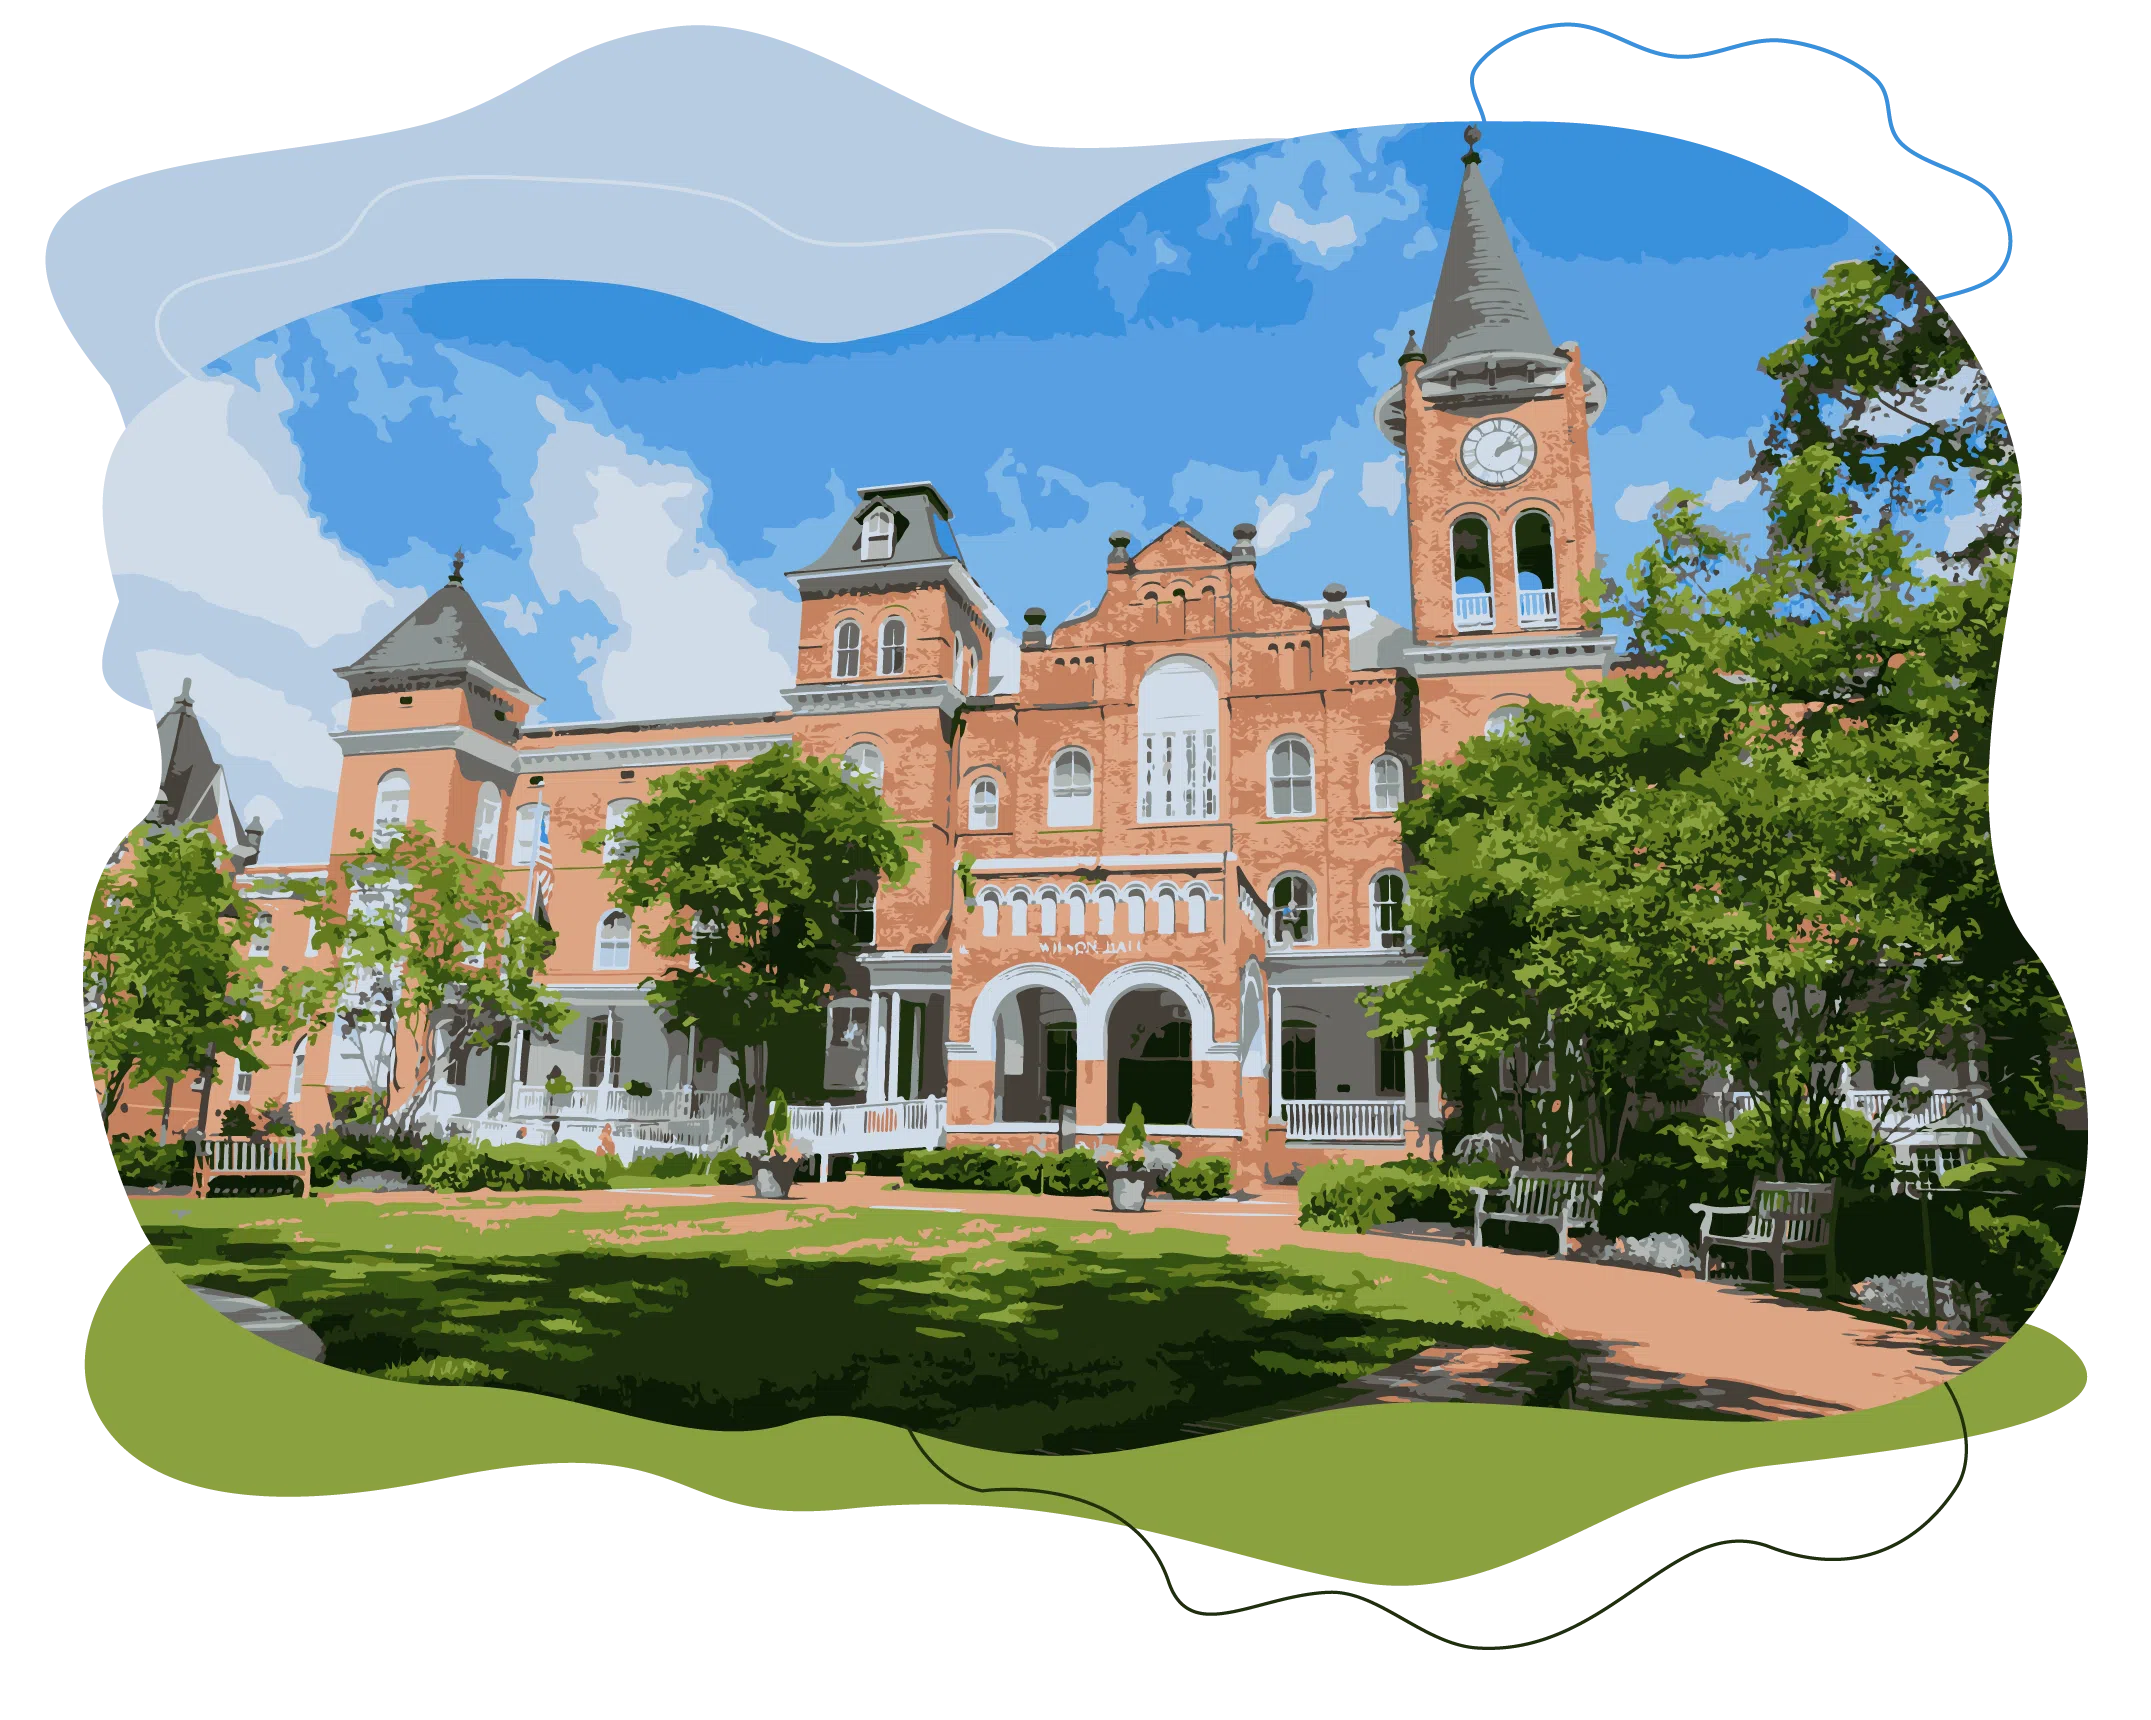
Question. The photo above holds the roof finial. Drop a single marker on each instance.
(186, 693)
(1471, 146)
(455, 567)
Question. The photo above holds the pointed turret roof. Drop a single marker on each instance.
(191, 788)
(447, 633)
(1482, 304)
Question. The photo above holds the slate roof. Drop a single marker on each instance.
(445, 631)
(922, 532)
(1482, 303)
(187, 770)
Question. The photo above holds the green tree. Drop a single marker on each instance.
(760, 876)
(169, 988)
(430, 950)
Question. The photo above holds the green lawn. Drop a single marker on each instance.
(1393, 1493)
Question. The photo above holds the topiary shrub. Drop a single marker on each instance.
(968, 1167)
(1353, 1197)
(460, 1166)
(1200, 1179)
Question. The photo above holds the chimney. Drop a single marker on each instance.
(1243, 543)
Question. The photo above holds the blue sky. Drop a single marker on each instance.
(631, 475)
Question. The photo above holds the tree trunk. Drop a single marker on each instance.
(164, 1117)
(201, 1122)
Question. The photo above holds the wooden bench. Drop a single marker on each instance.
(238, 1156)
(1780, 1218)
(1560, 1200)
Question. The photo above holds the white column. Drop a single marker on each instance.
(1411, 1077)
(1277, 1054)
(612, 1026)
(515, 1065)
(873, 1047)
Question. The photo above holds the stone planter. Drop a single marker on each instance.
(1129, 1189)
(773, 1178)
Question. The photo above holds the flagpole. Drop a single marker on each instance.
(530, 896)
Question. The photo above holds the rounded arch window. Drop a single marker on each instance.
(1049, 903)
(615, 933)
(1133, 901)
(526, 834)
(1292, 910)
(1198, 906)
(485, 827)
(1292, 793)
(877, 537)
(1167, 897)
(844, 654)
(1069, 800)
(1471, 573)
(1385, 783)
(1075, 903)
(1019, 912)
(862, 763)
(1534, 550)
(391, 803)
(1502, 720)
(892, 645)
(985, 804)
(1176, 740)
(989, 907)
(1103, 903)
(1390, 929)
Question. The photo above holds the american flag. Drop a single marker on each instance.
(540, 899)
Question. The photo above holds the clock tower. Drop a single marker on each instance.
(1493, 419)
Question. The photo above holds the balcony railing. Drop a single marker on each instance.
(907, 1125)
(1538, 608)
(1474, 611)
(1344, 1119)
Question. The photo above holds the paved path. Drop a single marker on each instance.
(1643, 1334)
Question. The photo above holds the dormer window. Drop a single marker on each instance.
(877, 541)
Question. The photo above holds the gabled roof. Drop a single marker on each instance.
(1482, 303)
(447, 631)
(921, 535)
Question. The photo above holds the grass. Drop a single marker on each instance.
(1383, 1493)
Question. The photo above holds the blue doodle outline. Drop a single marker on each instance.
(1889, 117)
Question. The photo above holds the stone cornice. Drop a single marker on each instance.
(1105, 862)
(908, 970)
(438, 737)
(1488, 654)
(1355, 968)
(854, 698)
(610, 755)
(475, 677)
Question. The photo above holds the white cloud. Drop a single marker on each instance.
(246, 719)
(1638, 499)
(1277, 520)
(1324, 236)
(1381, 483)
(203, 495)
(617, 529)
(1315, 194)
(1724, 492)
(518, 616)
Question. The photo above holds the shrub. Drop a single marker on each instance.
(237, 1121)
(144, 1164)
(357, 1148)
(2021, 1260)
(676, 1164)
(1200, 1179)
(969, 1167)
(1354, 1197)
(462, 1165)
(882, 1164)
(638, 1089)
(1070, 1173)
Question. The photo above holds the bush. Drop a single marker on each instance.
(357, 1148)
(882, 1164)
(2021, 1260)
(1200, 1179)
(679, 1164)
(144, 1164)
(236, 1122)
(462, 1165)
(1354, 1197)
(1071, 1173)
(730, 1167)
(969, 1167)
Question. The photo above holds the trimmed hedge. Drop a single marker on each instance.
(462, 1165)
(968, 1167)
(1353, 1197)
(1205, 1178)
(1071, 1173)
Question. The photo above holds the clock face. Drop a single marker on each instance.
(1499, 451)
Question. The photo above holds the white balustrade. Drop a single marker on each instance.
(1344, 1119)
(1474, 611)
(1901, 1116)
(612, 1104)
(1536, 607)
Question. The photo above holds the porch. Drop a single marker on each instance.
(1332, 1082)
(1929, 1130)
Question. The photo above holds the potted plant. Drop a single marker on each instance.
(558, 1084)
(1130, 1180)
(638, 1089)
(773, 1171)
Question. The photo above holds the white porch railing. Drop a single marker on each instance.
(1344, 1119)
(611, 1104)
(1474, 611)
(1908, 1119)
(1537, 608)
(904, 1126)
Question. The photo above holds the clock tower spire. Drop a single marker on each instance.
(1493, 419)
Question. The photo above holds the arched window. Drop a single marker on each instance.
(1176, 740)
(1292, 792)
(985, 804)
(615, 932)
(1198, 908)
(1166, 898)
(844, 655)
(1471, 571)
(1537, 605)
(1134, 901)
(863, 763)
(990, 914)
(877, 538)
(391, 804)
(1292, 910)
(1069, 803)
(1049, 903)
(1503, 717)
(855, 909)
(616, 815)
(1103, 901)
(1390, 930)
(526, 835)
(1075, 913)
(485, 828)
(892, 645)
(1385, 783)
(1019, 913)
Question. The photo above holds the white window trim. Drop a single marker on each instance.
(992, 789)
(1269, 777)
(1062, 808)
(1374, 774)
(837, 649)
(1313, 938)
(877, 535)
(1374, 910)
(894, 623)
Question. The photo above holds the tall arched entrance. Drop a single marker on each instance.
(1034, 1057)
(1149, 1056)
